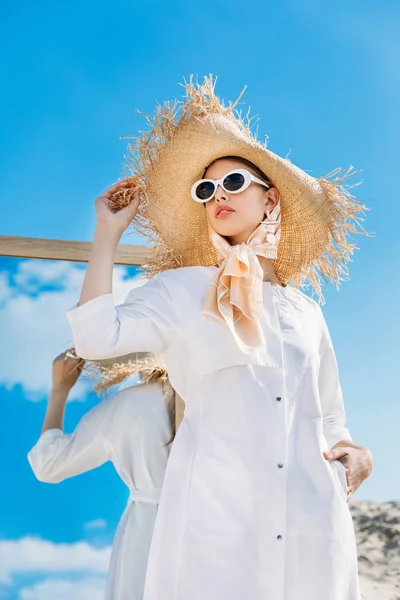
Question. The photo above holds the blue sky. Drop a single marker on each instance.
(324, 80)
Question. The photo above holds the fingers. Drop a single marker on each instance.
(108, 194)
(351, 488)
(59, 357)
(111, 190)
(123, 195)
(133, 204)
(69, 355)
(336, 453)
(76, 361)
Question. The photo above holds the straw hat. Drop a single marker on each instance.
(318, 214)
(108, 373)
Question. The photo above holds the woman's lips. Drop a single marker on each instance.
(222, 212)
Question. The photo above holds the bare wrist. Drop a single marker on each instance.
(105, 234)
(60, 393)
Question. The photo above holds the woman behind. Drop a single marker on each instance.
(132, 429)
(250, 508)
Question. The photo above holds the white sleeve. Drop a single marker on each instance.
(145, 322)
(331, 397)
(58, 456)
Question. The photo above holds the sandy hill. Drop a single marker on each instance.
(377, 526)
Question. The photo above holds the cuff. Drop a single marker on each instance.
(77, 314)
(50, 434)
(48, 437)
(335, 434)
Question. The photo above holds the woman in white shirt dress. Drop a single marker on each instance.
(251, 506)
(132, 429)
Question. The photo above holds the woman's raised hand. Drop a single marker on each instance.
(115, 209)
(67, 368)
(111, 217)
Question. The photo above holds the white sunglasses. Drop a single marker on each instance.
(233, 182)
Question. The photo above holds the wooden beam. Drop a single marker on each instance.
(23, 247)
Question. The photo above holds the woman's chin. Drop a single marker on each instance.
(225, 227)
(232, 233)
(226, 231)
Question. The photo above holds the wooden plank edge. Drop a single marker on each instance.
(49, 249)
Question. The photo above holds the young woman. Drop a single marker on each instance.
(250, 507)
(131, 429)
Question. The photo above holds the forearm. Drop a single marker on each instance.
(98, 278)
(54, 418)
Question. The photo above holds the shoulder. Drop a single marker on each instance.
(167, 296)
(134, 401)
(309, 308)
(185, 275)
(176, 284)
(315, 315)
(301, 300)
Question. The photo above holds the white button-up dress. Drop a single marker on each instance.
(250, 508)
(131, 429)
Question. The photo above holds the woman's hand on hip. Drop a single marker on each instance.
(357, 461)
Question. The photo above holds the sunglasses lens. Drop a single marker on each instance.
(234, 182)
(205, 190)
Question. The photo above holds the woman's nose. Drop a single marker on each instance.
(221, 195)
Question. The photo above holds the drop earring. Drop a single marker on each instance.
(272, 224)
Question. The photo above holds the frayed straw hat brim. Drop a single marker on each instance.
(108, 373)
(318, 215)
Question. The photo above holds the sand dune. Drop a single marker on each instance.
(377, 527)
(375, 590)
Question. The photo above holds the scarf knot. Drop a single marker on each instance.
(236, 296)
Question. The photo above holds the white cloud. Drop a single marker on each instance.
(36, 556)
(33, 303)
(32, 275)
(5, 290)
(87, 589)
(96, 524)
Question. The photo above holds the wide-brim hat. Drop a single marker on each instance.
(111, 372)
(319, 215)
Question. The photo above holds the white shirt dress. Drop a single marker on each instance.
(132, 430)
(249, 508)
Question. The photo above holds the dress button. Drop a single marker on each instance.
(278, 537)
(280, 465)
(278, 398)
